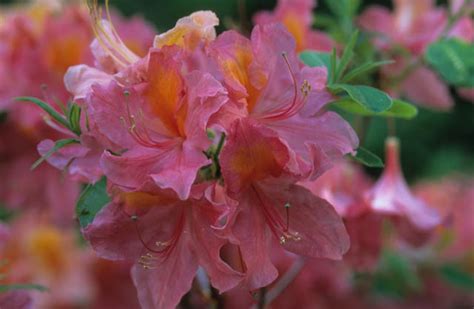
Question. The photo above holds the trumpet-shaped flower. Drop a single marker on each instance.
(413, 26)
(167, 254)
(297, 17)
(160, 124)
(391, 195)
(254, 162)
(269, 86)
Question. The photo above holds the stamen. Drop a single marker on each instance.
(296, 103)
(112, 45)
(278, 228)
(154, 257)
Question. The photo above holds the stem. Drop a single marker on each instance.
(285, 280)
(453, 18)
(261, 298)
(391, 125)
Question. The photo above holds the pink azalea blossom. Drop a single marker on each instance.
(297, 17)
(36, 252)
(344, 187)
(269, 86)
(391, 194)
(253, 166)
(413, 26)
(169, 253)
(161, 122)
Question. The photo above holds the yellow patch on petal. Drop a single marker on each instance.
(255, 161)
(46, 246)
(294, 25)
(190, 31)
(63, 53)
(143, 200)
(164, 93)
(237, 69)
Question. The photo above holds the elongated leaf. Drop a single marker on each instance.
(58, 145)
(47, 108)
(74, 118)
(399, 109)
(364, 69)
(456, 276)
(92, 200)
(347, 56)
(368, 158)
(373, 99)
(316, 59)
(453, 59)
(12, 287)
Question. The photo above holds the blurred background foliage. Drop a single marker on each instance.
(433, 144)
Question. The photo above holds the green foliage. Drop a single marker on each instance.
(47, 108)
(370, 98)
(396, 276)
(453, 59)
(57, 145)
(367, 158)
(12, 287)
(316, 59)
(399, 109)
(456, 276)
(70, 122)
(92, 200)
(5, 214)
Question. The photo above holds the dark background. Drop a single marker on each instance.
(433, 144)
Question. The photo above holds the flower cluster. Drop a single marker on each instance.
(224, 163)
(203, 142)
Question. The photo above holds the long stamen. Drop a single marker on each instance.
(278, 228)
(112, 45)
(296, 104)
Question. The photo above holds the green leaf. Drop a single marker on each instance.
(396, 276)
(368, 158)
(333, 67)
(347, 56)
(373, 99)
(92, 200)
(456, 276)
(453, 59)
(58, 145)
(399, 109)
(74, 117)
(363, 69)
(3, 116)
(343, 8)
(12, 287)
(316, 59)
(47, 108)
(5, 214)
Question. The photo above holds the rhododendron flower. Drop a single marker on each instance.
(168, 253)
(413, 26)
(452, 197)
(297, 17)
(37, 252)
(271, 207)
(43, 189)
(391, 195)
(190, 31)
(161, 122)
(344, 187)
(270, 87)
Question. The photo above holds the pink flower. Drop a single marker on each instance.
(269, 86)
(36, 252)
(297, 17)
(271, 207)
(391, 195)
(161, 123)
(413, 26)
(168, 253)
(343, 186)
